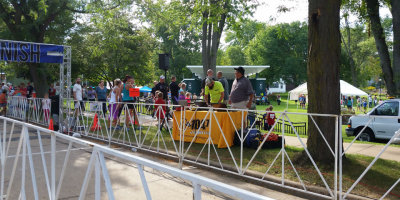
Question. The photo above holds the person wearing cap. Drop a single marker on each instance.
(215, 90)
(163, 87)
(210, 74)
(242, 94)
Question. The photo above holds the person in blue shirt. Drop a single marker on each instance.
(101, 95)
(129, 83)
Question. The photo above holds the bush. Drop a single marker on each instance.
(371, 88)
(272, 97)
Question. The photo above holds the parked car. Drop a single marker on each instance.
(385, 121)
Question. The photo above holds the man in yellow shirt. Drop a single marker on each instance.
(216, 91)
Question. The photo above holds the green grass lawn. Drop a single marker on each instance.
(293, 108)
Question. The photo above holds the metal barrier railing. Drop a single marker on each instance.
(39, 111)
(151, 127)
(345, 191)
(17, 107)
(53, 182)
(190, 137)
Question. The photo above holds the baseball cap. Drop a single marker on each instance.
(208, 81)
(240, 70)
(162, 77)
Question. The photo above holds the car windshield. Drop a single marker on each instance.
(387, 109)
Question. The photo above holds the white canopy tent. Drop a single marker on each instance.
(296, 92)
(346, 89)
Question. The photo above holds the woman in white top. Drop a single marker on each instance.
(46, 103)
(115, 96)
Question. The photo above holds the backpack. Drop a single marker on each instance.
(251, 141)
(273, 141)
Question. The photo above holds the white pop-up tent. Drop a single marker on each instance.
(346, 89)
(296, 92)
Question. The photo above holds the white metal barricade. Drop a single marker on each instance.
(146, 127)
(17, 107)
(97, 164)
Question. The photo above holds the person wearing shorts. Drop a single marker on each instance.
(113, 104)
(128, 100)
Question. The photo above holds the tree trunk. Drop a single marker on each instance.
(323, 75)
(211, 37)
(39, 79)
(204, 46)
(396, 44)
(352, 65)
(381, 46)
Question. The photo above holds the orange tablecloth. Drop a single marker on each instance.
(194, 125)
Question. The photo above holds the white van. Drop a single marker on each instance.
(385, 121)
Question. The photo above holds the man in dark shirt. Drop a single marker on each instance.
(163, 87)
(242, 93)
(29, 89)
(174, 88)
(153, 90)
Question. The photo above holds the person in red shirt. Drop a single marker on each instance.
(3, 102)
(52, 90)
(160, 112)
(271, 117)
(187, 97)
(23, 90)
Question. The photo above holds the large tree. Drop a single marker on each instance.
(323, 74)
(214, 17)
(381, 45)
(111, 47)
(284, 48)
(369, 10)
(170, 24)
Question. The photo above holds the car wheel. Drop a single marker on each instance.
(366, 136)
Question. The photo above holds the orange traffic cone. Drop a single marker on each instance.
(51, 127)
(95, 125)
(134, 120)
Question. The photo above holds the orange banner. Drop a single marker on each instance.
(203, 124)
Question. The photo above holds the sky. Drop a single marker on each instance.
(268, 11)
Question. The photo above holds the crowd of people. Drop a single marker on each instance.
(361, 103)
(215, 92)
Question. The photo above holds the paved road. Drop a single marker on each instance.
(391, 153)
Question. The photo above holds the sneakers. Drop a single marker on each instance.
(77, 135)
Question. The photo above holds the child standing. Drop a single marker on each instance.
(271, 117)
(188, 97)
(46, 103)
(349, 104)
(160, 112)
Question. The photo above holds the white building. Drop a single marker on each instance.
(277, 87)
